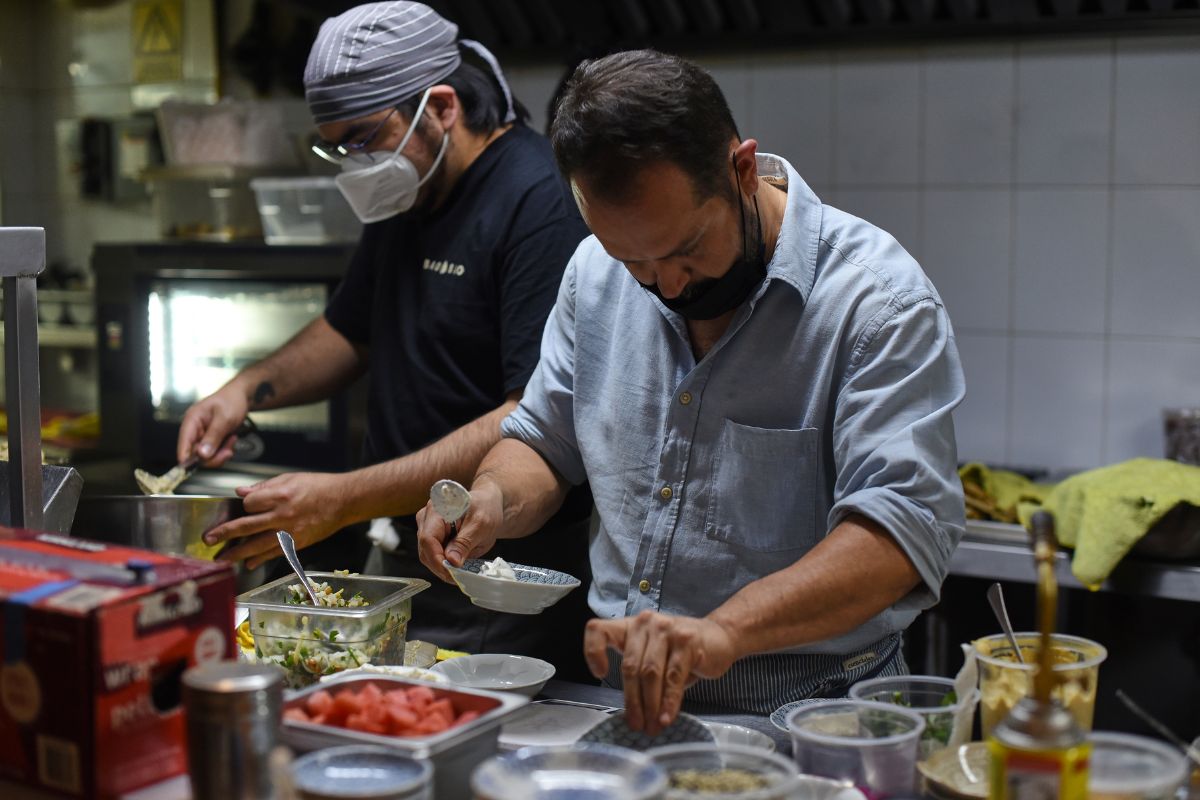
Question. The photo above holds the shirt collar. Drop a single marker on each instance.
(795, 258)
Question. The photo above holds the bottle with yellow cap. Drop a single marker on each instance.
(1038, 751)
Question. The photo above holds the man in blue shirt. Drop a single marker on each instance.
(758, 388)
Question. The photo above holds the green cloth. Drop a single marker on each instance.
(1102, 513)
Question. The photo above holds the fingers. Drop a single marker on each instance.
(432, 532)
(190, 431)
(240, 528)
(258, 545)
(633, 670)
(598, 636)
(270, 555)
(677, 678)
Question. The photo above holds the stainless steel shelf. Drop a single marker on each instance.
(982, 554)
(63, 336)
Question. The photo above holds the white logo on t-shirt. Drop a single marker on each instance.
(444, 267)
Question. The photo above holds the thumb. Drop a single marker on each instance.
(459, 550)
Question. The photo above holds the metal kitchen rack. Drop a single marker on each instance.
(32, 495)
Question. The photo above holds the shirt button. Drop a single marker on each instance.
(644, 586)
(665, 494)
(685, 398)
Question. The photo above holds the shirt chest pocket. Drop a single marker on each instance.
(764, 485)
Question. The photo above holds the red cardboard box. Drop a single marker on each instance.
(94, 639)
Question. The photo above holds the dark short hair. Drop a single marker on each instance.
(638, 107)
(483, 103)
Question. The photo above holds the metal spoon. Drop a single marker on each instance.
(450, 500)
(169, 481)
(995, 595)
(288, 545)
(1191, 751)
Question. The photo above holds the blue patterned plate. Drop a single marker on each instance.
(615, 730)
(534, 590)
(779, 715)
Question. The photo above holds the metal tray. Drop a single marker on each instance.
(1176, 537)
(453, 753)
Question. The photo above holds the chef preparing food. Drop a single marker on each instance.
(469, 227)
(758, 388)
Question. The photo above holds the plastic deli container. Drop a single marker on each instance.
(308, 642)
(1003, 681)
(700, 771)
(1127, 767)
(452, 753)
(577, 772)
(305, 210)
(932, 697)
(872, 745)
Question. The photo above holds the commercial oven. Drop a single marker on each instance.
(175, 321)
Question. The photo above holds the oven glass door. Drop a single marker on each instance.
(203, 332)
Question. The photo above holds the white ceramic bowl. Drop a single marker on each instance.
(726, 733)
(534, 590)
(497, 672)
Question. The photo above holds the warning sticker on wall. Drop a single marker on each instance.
(157, 41)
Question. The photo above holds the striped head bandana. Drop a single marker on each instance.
(378, 55)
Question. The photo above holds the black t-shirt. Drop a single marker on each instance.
(451, 303)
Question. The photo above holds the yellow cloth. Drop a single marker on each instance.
(1007, 489)
(1102, 513)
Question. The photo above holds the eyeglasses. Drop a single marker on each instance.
(336, 153)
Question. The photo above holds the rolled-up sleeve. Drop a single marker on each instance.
(893, 437)
(544, 420)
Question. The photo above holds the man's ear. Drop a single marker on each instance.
(745, 164)
(444, 105)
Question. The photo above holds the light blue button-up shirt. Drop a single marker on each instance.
(829, 394)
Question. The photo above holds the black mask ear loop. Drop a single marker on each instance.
(742, 214)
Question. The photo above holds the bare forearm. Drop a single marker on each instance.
(311, 366)
(530, 490)
(401, 486)
(856, 572)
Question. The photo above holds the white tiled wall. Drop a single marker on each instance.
(1051, 189)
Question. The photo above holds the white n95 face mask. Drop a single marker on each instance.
(385, 188)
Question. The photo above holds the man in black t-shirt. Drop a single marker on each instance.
(469, 227)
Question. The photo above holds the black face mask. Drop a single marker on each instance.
(711, 298)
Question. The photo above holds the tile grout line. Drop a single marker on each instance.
(1010, 339)
(1109, 261)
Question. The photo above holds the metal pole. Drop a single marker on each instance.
(22, 258)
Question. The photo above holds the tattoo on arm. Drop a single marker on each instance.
(264, 392)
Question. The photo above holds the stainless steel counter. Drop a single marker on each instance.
(1000, 552)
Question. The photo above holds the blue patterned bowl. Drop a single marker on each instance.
(578, 772)
(366, 772)
(534, 590)
(616, 731)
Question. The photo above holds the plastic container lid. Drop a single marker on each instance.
(584, 771)
(1128, 766)
(781, 773)
(361, 772)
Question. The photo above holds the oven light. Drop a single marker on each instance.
(158, 359)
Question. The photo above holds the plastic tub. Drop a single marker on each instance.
(930, 696)
(872, 745)
(1127, 767)
(309, 642)
(1003, 681)
(578, 772)
(307, 210)
(699, 771)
